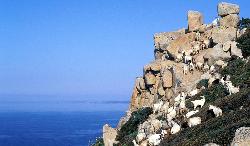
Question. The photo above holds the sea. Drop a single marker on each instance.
(56, 122)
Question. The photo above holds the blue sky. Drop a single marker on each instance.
(88, 48)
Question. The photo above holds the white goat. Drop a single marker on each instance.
(163, 133)
(212, 69)
(157, 106)
(154, 139)
(200, 102)
(176, 128)
(194, 121)
(193, 92)
(171, 113)
(188, 58)
(207, 43)
(185, 69)
(134, 142)
(189, 114)
(217, 111)
(206, 67)
(140, 137)
(165, 107)
(191, 67)
(196, 48)
(179, 57)
(199, 66)
(231, 88)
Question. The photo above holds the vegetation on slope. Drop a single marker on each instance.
(129, 130)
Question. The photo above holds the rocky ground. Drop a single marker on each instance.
(196, 91)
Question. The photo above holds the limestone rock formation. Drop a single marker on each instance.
(195, 20)
(109, 135)
(242, 137)
(231, 20)
(228, 8)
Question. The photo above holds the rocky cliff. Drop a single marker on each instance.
(195, 92)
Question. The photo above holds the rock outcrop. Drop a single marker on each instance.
(242, 137)
(183, 59)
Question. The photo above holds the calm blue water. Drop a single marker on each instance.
(53, 128)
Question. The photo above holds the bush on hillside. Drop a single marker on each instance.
(239, 72)
(129, 130)
(243, 42)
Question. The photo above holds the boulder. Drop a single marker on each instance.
(216, 53)
(134, 100)
(161, 40)
(231, 20)
(167, 79)
(182, 43)
(221, 34)
(227, 8)
(150, 79)
(242, 137)
(154, 66)
(109, 135)
(195, 20)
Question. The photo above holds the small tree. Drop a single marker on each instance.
(243, 42)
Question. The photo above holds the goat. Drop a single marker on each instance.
(171, 113)
(206, 68)
(176, 128)
(185, 69)
(199, 66)
(140, 137)
(179, 57)
(154, 139)
(194, 121)
(187, 59)
(157, 107)
(189, 114)
(191, 67)
(200, 102)
(217, 111)
(193, 92)
(134, 142)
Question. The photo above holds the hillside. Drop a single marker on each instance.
(197, 90)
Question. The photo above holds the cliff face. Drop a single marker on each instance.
(187, 85)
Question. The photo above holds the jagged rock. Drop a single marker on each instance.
(211, 144)
(216, 53)
(221, 35)
(150, 79)
(154, 66)
(231, 20)
(134, 100)
(140, 84)
(181, 43)
(227, 8)
(161, 40)
(167, 79)
(109, 135)
(242, 137)
(195, 20)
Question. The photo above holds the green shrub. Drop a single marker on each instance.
(129, 130)
(244, 23)
(239, 72)
(203, 82)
